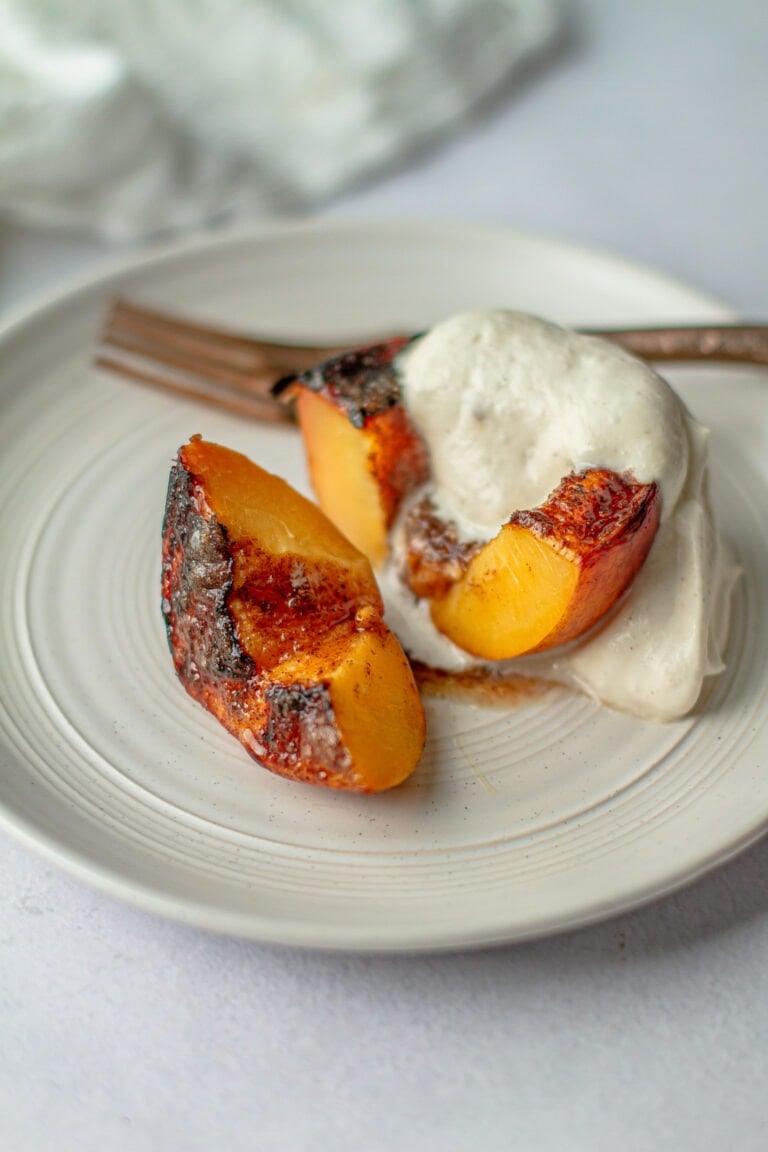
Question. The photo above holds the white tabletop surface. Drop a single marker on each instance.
(121, 1032)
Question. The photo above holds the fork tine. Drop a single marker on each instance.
(212, 366)
(199, 365)
(252, 405)
(217, 346)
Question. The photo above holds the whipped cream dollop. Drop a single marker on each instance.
(508, 405)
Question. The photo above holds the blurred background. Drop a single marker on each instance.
(638, 128)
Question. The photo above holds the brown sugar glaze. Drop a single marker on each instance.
(480, 686)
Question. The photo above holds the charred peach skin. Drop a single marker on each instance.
(275, 625)
(363, 453)
(551, 573)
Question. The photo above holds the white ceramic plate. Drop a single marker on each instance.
(521, 822)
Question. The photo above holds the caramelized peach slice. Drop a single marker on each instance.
(365, 674)
(550, 573)
(547, 577)
(363, 453)
(360, 475)
(275, 625)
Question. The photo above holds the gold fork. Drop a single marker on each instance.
(239, 373)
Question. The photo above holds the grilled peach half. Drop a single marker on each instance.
(363, 453)
(274, 622)
(547, 577)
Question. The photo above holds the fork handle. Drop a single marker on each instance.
(723, 343)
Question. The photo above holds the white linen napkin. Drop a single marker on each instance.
(127, 118)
